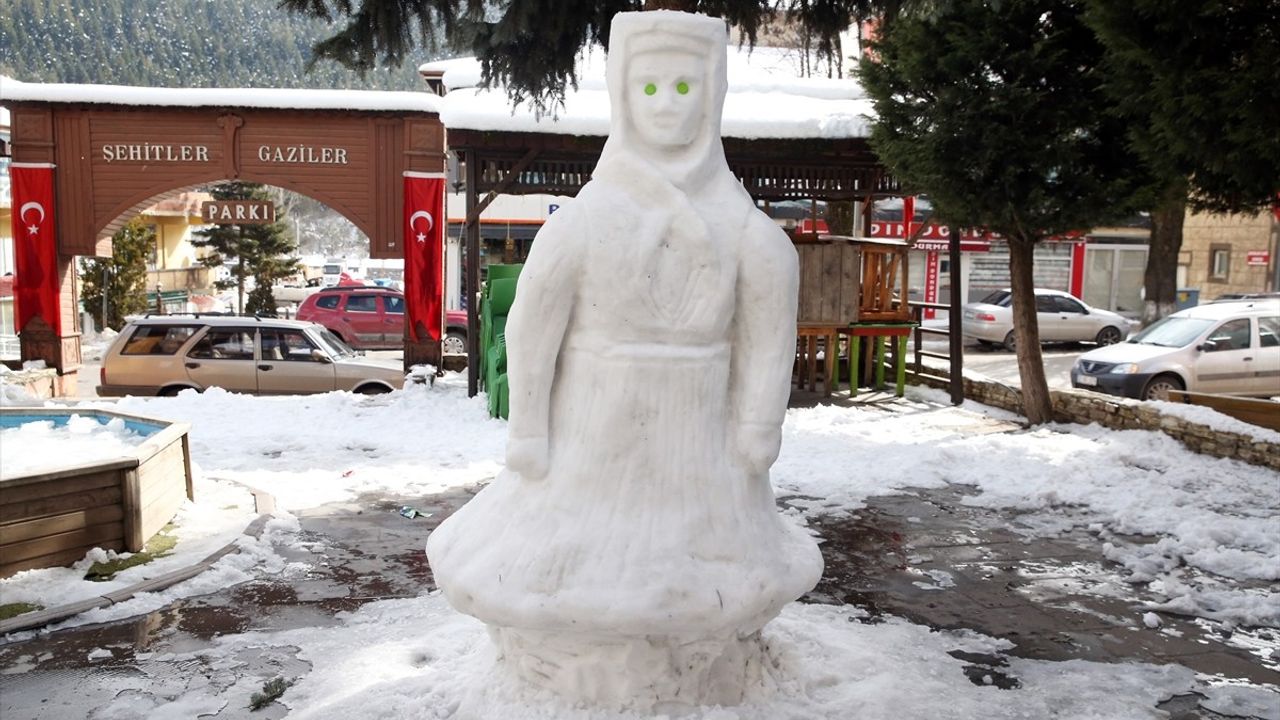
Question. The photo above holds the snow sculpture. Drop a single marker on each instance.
(631, 552)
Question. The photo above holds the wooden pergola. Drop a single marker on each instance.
(521, 163)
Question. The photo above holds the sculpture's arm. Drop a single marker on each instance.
(764, 340)
(535, 329)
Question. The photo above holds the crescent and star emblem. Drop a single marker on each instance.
(22, 215)
(421, 236)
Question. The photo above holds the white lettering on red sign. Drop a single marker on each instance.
(1257, 257)
(930, 283)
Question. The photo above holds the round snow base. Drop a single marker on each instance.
(653, 673)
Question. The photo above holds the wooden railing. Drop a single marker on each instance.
(954, 356)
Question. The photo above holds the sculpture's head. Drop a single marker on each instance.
(666, 73)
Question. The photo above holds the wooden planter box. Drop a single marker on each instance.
(53, 517)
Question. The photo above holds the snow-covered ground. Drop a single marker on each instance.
(416, 657)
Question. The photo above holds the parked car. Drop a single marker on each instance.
(1229, 347)
(1061, 316)
(372, 318)
(296, 293)
(164, 355)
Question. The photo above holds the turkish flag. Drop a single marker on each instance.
(424, 225)
(35, 245)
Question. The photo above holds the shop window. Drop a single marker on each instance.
(1220, 263)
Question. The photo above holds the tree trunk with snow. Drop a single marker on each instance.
(1036, 403)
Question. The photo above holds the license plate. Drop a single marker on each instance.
(1087, 380)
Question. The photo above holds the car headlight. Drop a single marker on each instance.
(1125, 369)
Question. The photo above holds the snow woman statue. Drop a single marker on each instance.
(632, 550)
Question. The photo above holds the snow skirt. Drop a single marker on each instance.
(644, 524)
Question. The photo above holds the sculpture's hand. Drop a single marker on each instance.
(758, 445)
(528, 456)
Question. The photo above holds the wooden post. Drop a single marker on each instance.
(472, 263)
(954, 319)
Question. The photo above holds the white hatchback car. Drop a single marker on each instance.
(1061, 318)
(1229, 347)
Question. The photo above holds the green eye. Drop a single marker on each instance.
(682, 88)
(650, 89)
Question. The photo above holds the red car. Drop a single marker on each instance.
(372, 318)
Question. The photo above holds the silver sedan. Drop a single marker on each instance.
(1061, 316)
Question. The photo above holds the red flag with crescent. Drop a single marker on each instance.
(35, 245)
(424, 225)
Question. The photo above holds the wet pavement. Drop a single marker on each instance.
(923, 555)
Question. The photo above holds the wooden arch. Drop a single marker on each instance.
(113, 160)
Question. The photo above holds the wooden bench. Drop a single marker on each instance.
(1263, 413)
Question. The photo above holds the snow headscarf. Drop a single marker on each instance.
(634, 33)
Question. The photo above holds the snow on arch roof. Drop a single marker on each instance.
(767, 99)
(267, 98)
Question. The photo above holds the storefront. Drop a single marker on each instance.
(1103, 273)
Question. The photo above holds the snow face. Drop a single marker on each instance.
(631, 552)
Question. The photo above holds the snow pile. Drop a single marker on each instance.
(282, 98)
(43, 445)
(1212, 418)
(314, 449)
(1213, 516)
(218, 517)
(401, 659)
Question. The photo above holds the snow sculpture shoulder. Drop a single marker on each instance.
(632, 551)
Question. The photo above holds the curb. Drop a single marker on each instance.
(30, 621)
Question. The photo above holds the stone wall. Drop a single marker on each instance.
(1080, 406)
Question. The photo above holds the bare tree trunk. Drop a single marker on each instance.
(1160, 282)
(1036, 404)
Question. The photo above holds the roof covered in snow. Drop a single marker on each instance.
(767, 98)
(274, 98)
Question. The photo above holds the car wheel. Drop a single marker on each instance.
(171, 391)
(1011, 341)
(372, 389)
(1159, 386)
(1108, 336)
(455, 343)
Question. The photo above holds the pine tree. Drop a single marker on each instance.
(114, 288)
(995, 111)
(531, 46)
(260, 252)
(1196, 83)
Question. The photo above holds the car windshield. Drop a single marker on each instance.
(334, 344)
(999, 297)
(1172, 332)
